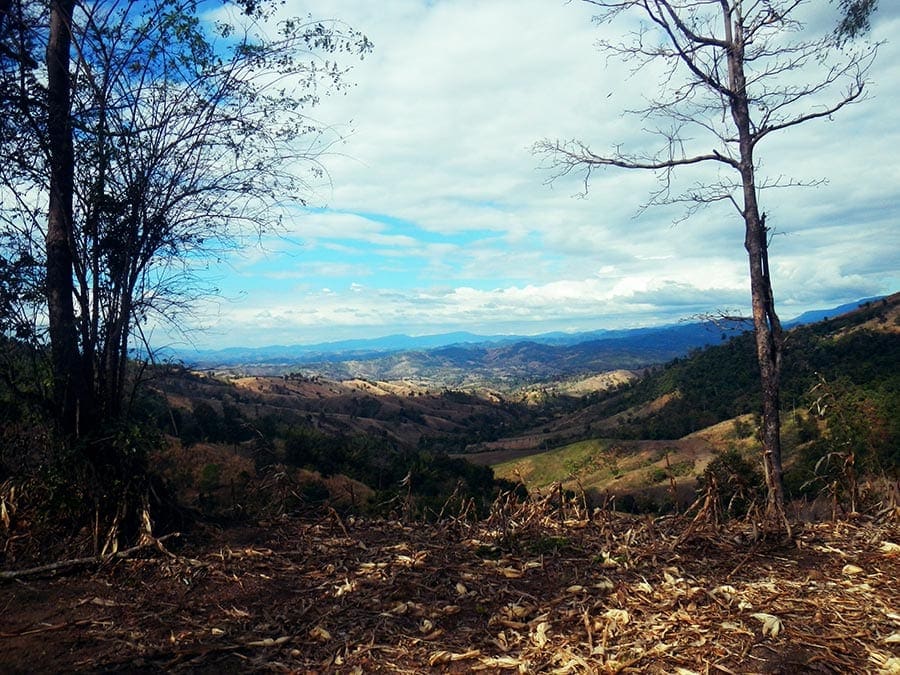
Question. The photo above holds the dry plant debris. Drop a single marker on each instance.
(532, 589)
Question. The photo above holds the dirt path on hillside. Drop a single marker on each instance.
(530, 591)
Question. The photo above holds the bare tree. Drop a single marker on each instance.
(735, 72)
(185, 150)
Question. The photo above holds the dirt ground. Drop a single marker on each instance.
(531, 590)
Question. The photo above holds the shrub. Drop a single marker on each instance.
(734, 483)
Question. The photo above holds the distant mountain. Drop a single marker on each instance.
(328, 351)
(463, 358)
(816, 315)
(472, 360)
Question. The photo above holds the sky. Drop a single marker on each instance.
(437, 216)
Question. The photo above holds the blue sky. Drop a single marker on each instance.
(436, 216)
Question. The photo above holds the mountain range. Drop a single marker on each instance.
(463, 358)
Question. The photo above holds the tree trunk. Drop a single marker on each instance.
(65, 359)
(765, 321)
(768, 352)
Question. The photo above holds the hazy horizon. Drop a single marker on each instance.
(186, 349)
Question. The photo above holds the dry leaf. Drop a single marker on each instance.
(618, 616)
(771, 624)
(498, 662)
(517, 611)
(539, 636)
(345, 587)
(501, 641)
(644, 587)
(439, 657)
(102, 602)
(851, 569)
(511, 572)
(887, 665)
(608, 560)
(319, 633)
(605, 585)
(725, 591)
(670, 576)
(889, 548)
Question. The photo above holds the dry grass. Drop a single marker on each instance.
(539, 587)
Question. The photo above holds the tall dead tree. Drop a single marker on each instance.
(734, 73)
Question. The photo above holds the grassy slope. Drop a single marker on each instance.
(670, 398)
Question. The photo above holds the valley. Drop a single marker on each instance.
(598, 522)
(641, 439)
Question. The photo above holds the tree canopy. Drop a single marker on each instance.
(149, 136)
(188, 135)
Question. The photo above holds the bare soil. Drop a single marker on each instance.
(534, 589)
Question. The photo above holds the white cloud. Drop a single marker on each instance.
(466, 233)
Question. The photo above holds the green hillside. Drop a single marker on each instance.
(840, 403)
(861, 349)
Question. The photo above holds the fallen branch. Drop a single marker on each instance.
(201, 651)
(83, 562)
(45, 628)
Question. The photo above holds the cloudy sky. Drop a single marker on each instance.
(438, 216)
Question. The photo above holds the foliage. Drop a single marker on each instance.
(734, 483)
(862, 437)
(186, 140)
(855, 19)
(708, 386)
(147, 140)
(421, 481)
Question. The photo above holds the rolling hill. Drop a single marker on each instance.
(841, 393)
(612, 432)
(470, 361)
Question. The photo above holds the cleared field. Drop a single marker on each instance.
(612, 467)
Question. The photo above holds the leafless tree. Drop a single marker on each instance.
(735, 72)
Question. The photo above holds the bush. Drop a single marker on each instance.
(734, 483)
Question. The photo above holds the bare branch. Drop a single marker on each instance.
(763, 64)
